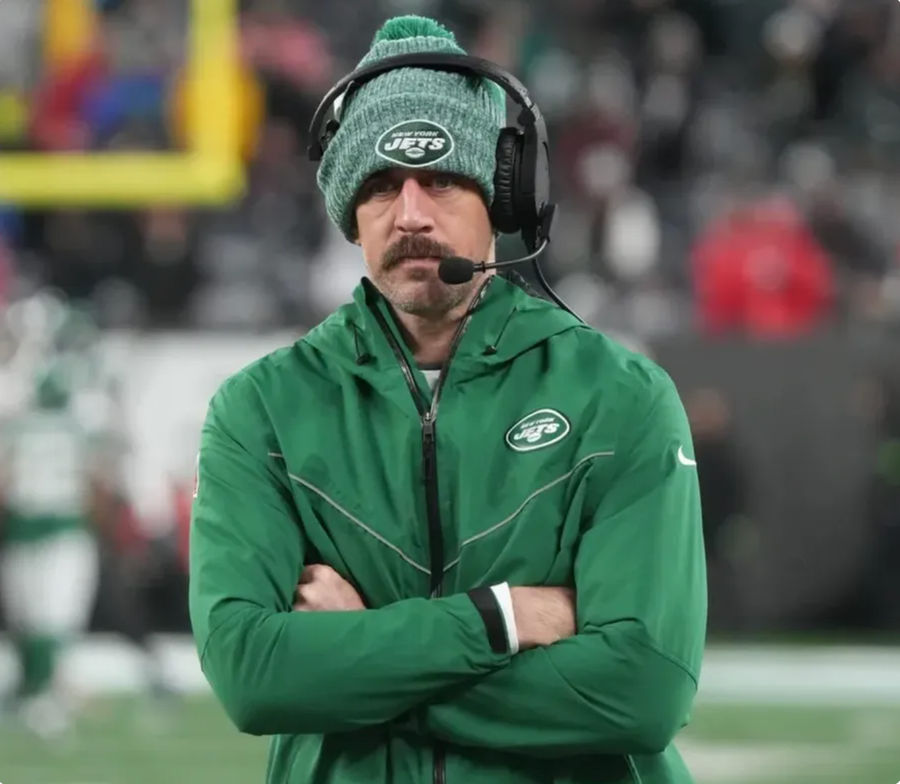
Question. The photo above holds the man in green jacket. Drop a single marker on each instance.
(452, 535)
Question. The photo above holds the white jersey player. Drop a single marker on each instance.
(48, 557)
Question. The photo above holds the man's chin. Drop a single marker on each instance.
(420, 272)
(424, 295)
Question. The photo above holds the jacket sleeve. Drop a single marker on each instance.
(625, 682)
(277, 671)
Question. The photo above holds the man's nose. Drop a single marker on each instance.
(413, 208)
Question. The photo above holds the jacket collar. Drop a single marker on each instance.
(503, 322)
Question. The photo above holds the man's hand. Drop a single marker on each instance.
(544, 615)
(322, 588)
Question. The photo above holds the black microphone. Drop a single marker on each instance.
(457, 269)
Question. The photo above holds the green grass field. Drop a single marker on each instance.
(121, 741)
(758, 744)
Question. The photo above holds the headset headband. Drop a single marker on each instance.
(436, 61)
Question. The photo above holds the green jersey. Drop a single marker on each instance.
(546, 454)
(46, 458)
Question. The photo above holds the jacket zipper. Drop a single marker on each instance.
(432, 506)
(429, 464)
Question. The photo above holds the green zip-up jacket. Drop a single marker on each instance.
(547, 454)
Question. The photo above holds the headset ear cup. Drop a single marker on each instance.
(504, 214)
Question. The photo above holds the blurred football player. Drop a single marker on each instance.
(48, 558)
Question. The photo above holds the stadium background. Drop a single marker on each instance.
(727, 172)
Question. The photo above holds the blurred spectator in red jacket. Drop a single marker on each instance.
(759, 270)
(57, 121)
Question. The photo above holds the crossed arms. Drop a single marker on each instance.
(621, 683)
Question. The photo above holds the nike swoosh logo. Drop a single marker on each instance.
(684, 459)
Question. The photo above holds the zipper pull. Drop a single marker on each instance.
(427, 446)
(428, 426)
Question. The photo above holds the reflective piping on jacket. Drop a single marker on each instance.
(354, 519)
(525, 503)
(632, 769)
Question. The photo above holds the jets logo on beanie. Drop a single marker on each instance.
(412, 118)
(415, 143)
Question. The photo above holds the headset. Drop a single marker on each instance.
(522, 170)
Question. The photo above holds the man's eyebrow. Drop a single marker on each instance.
(384, 174)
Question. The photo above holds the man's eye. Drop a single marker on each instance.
(380, 187)
(383, 186)
(442, 182)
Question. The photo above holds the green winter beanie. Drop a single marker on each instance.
(412, 117)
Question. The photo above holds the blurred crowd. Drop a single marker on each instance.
(720, 166)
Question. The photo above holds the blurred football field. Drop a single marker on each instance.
(764, 716)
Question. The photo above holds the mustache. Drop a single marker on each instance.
(414, 245)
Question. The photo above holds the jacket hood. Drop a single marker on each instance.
(504, 322)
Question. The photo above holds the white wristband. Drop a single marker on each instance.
(504, 599)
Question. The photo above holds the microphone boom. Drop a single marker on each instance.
(456, 269)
